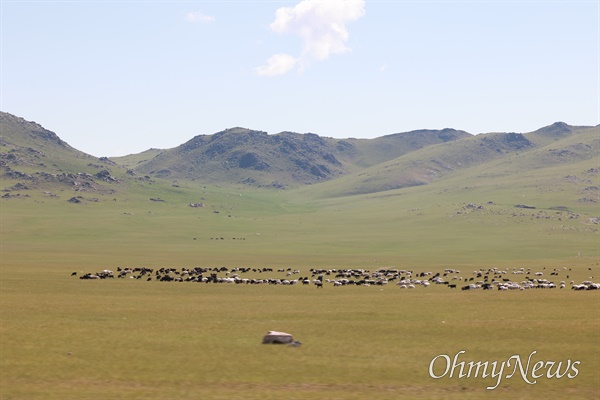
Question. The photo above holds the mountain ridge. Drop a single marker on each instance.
(288, 159)
(285, 158)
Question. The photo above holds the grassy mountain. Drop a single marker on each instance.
(32, 147)
(251, 157)
(558, 144)
(375, 151)
(248, 156)
(131, 161)
(34, 157)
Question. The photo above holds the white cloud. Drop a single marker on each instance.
(321, 24)
(197, 16)
(277, 64)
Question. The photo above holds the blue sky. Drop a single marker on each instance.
(118, 77)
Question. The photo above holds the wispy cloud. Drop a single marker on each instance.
(322, 27)
(197, 16)
(277, 64)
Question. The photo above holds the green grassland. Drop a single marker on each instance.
(66, 338)
(122, 339)
(419, 226)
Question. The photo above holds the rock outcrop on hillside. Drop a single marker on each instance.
(31, 155)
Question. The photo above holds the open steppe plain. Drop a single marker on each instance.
(67, 338)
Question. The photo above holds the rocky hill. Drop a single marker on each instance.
(286, 159)
(32, 156)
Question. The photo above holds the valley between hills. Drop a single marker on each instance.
(426, 197)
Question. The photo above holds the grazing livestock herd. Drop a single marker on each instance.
(484, 279)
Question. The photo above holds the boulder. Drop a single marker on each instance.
(273, 337)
